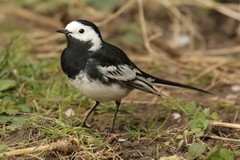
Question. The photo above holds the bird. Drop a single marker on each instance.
(101, 71)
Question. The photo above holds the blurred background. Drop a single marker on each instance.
(197, 39)
(195, 42)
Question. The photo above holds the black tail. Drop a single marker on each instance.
(173, 84)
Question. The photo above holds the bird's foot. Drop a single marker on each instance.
(112, 137)
(111, 130)
(85, 125)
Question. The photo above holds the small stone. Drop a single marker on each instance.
(135, 155)
(176, 115)
(235, 88)
(231, 96)
(127, 144)
(121, 140)
(69, 113)
(135, 144)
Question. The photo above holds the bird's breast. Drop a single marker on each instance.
(73, 60)
(98, 91)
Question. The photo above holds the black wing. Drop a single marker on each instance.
(113, 63)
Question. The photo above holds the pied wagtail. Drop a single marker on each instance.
(102, 71)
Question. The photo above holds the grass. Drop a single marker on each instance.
(41, 95)
(45, 89)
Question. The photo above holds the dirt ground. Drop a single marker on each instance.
(189, 43)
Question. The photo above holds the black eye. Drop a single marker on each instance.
(81, 30)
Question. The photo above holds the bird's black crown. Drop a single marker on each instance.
(87, 23)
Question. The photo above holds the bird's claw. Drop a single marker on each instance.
(85, 125)
(111, 130)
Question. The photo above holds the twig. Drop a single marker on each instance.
(218, 52)
(155, 36)
(209, 69)
(168, 49)
(225, 139)
(117, 13)
(48, 39)
(164, 46)
(230, 10)
(144, 29)
(185, 21)
(215, 81)
(224, 124)
(235, 117)
(223, 51)
(33, 16)
(48, 55)
(67, 145)
(140, 102)
(222, 100)
(220, 8)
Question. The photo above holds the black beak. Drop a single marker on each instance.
(64, 31)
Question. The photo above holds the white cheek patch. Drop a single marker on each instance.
(95, 40)
(89, 34)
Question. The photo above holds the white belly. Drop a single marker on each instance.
(98, 91)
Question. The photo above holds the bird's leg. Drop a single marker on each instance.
(88, 114)
(115, 115)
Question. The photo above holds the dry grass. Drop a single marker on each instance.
(195, 59)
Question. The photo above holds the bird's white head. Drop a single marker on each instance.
(84, 31)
